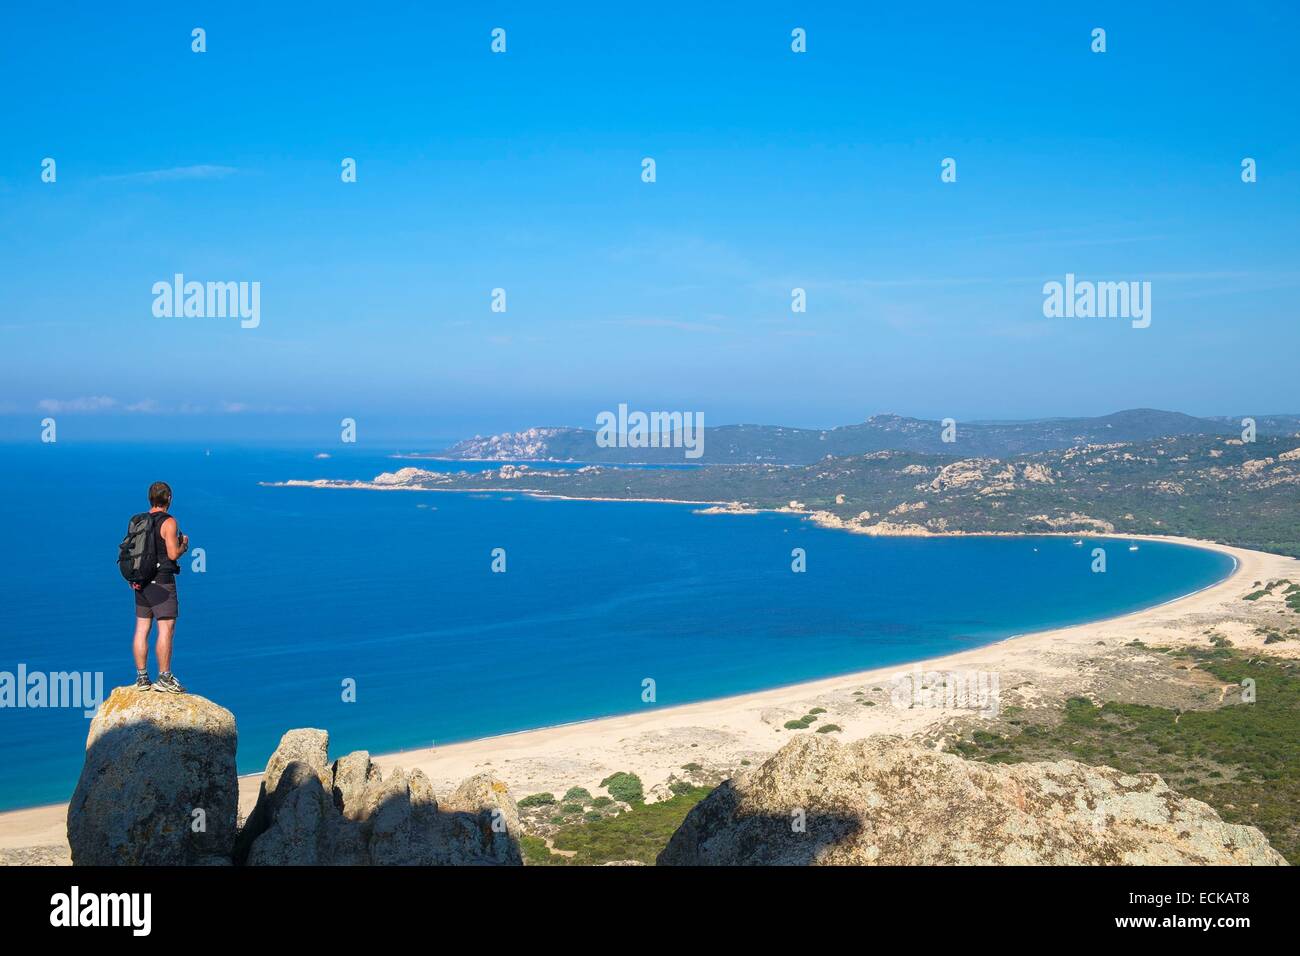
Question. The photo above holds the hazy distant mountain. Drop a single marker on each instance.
(776, 444)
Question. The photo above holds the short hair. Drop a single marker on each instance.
(160, 494)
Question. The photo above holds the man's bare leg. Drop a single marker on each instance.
(164, 646)
(140, 645)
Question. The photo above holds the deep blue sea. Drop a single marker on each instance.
(305, 588)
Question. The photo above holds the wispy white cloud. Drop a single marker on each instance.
(174, 174)
(1086, 236)
(90, 404)
(93, 403)
(688, 254)
(667, 324)
(848, 286)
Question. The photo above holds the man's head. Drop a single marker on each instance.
(160, 494)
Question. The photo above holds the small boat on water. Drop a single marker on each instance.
(1079, 543)
(1132, 547)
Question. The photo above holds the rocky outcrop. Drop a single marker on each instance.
(530, 444)
(159, 786)
(486, 819)
(312, 813)
(353, 778)
(303, 756)
(887, 801)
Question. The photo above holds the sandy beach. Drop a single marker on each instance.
(1099, 660)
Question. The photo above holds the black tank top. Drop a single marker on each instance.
(167, 568)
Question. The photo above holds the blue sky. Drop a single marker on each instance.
(522, 171)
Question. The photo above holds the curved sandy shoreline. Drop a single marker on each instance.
(730, 731)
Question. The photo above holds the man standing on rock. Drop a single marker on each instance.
(156, 600)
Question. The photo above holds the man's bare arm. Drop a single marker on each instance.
(176, 546)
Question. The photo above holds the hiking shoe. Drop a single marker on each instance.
(168, 684)
(143, 683)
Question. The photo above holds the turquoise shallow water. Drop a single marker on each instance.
(307, 588)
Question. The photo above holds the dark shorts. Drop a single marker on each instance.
(157, 600)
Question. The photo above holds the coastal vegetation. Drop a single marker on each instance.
(1289, 591)
(1242, 758)
(810, 718)
(625, 787)
(638, 833)
(537, 800)
(1199, 486)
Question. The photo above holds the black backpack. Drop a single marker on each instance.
(137, 555)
